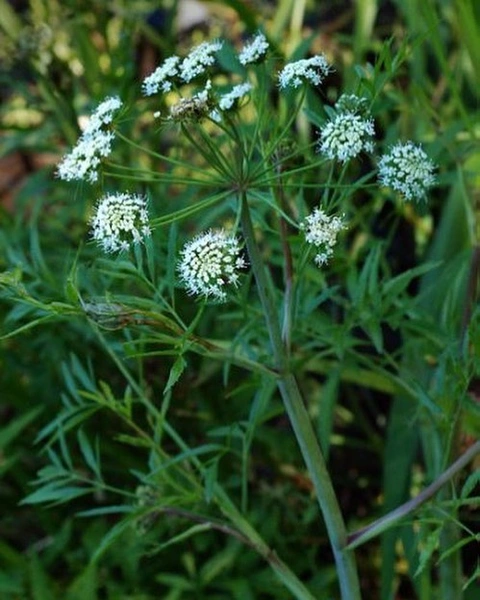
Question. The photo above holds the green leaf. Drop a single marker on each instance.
(191, 531)
(472, 481)
(175, 373)
(10, 21)
(429, 547)
(400, 450)
(91, 458)
(41, 585)
(11, 431)
(220, 563)
(210, 480)
(57, 493)
(137, 442)
(111, 537)
(26, 327)
(327, 401)
(395, 286)
(84, 587)
(106, 510)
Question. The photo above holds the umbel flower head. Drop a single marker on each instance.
(350, 132)
(161, 77)
(210, 263)
(321, 231)
(199, 59)
(312, 70)
(119, 221)
(254, 51)
(407, 170)
(228, 100)
(94, 144)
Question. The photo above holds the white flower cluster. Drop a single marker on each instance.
(94, 144)
(209, 263)
(199, 59)
(159, 78)
(408, 170)
(119, 220)
(313, 70)
(196, 63)
(321, 231)
(239, 91)
(346, 136)
(254, 51)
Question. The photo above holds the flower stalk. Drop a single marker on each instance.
(300, 421)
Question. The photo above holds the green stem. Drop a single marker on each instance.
(279, 194)
(284, 573)
(300, 421)
(253, 540)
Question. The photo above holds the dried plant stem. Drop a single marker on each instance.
(362, 535)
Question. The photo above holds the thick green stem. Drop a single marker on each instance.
(300, 421)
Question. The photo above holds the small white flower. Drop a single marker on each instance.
(313, 70)
(119, 221)
(254, 51)
(228, 100)
(199, 59)
(346, 136)
(83, 160)
(159, 79)
(211, 262)
(408, 170)
(321, 231)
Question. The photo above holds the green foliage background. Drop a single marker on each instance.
(67, 397)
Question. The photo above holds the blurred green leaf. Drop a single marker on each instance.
(10, 432)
